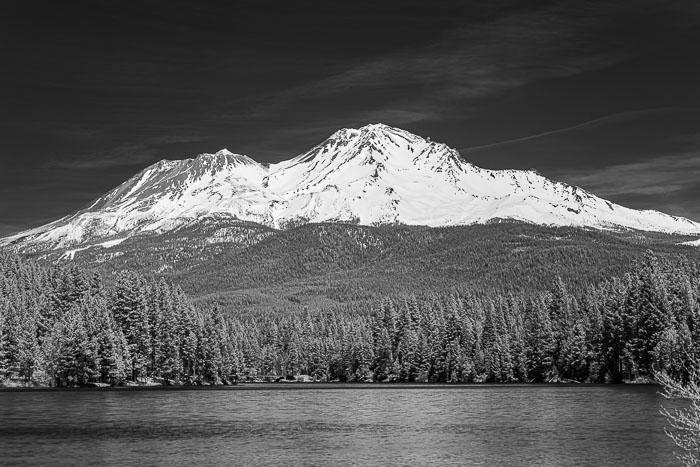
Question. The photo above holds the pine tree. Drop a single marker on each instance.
(107, 341)
(70, 353)
(167, 362)
(129, 306)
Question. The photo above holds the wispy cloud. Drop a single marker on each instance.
(177, 139)
(129, 154)
(670, 183)
(606, 119)
(660, 175)
(123, 154)
(471, 62)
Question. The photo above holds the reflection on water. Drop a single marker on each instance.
(338, 424)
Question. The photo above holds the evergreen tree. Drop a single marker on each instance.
(129, 307)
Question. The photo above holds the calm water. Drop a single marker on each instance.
(337, 425)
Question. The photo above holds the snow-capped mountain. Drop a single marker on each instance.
(373, 175)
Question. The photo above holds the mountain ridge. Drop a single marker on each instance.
(373, 175)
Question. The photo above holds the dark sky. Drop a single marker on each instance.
(604, 95)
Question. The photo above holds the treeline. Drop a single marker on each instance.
(62, 326)
(626, 328)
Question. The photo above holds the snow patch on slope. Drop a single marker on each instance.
(111, 243)
(70, 254)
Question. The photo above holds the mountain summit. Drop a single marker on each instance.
(373, 175)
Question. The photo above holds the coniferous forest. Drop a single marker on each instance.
(65, 326)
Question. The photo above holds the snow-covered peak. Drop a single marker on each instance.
(377, 154)
(372, 128)
(380, 129)
(376, 174)
(224, 157)
(381, 133)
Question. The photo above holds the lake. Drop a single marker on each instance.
(338, 424)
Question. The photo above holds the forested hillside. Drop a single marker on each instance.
(503, 256)
(248, 268)
(63, 326)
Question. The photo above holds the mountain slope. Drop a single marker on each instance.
(329, 265)
(383, 175)
(371, 176)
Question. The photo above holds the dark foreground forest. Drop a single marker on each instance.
(65, 326)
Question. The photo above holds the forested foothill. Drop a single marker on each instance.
(64, 325)
(245, 268)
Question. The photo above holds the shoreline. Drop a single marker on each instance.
(322, 386)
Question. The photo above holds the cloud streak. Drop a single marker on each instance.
(125, 154)
(659, 175)
(129, 154)
(469, 63)
(606, 119)
(671, 183)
